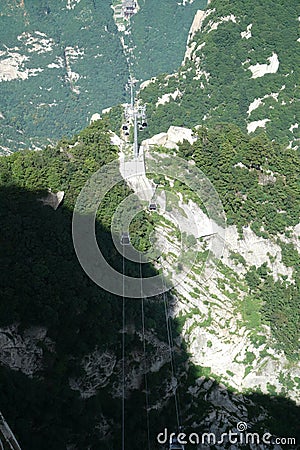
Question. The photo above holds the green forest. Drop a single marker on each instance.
(157, 48)
(43, 107)
(257, 179)
(226, 58)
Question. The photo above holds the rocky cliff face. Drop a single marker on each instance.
(213, 326)
(24, 350)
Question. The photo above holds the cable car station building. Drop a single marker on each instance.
(129, 8)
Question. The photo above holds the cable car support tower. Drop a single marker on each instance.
(135, 114)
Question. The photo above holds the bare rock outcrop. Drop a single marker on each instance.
(22, 350)
(98, 367)
(53, 200)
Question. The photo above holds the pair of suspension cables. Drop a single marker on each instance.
(170, 345)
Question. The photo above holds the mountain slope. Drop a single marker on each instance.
(61, 335)
(62, 61)
(240, 319)
(235, 334)
(157, 36)
(241, 66)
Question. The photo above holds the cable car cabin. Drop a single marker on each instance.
(175, 445)
(141, 128)
(124, 127)
(126, 133)
(125, 239)
(144, 124)
(152, 206)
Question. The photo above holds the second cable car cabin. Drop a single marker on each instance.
(142, 125)
(125, 238)
(125, 129)
(152, 206)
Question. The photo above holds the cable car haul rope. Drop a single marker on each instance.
(136, 115)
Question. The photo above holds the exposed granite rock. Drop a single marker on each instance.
(24, 350)
(53, 200)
